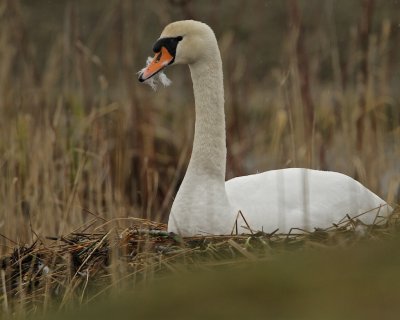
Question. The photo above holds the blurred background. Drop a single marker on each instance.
(307, 84)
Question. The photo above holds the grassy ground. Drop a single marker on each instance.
(91, 269)
(357, 282)
(85, 148)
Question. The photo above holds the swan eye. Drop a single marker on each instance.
(159, 56)
(179, 38)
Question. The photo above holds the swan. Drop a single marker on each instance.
(207, 205)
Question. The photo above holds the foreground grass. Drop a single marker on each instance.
(357, 282)
(143, 270)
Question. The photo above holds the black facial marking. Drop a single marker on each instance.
(168, 43)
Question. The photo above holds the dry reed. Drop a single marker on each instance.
(83, 266)
(308, 83)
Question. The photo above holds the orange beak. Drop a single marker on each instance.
(159, 62)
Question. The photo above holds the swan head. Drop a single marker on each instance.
(181, 42)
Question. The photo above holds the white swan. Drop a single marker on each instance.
(205, 203)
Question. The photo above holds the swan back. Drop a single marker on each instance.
(302, 198)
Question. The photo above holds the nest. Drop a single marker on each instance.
(84, 265)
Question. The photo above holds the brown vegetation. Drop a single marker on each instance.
(308, 84)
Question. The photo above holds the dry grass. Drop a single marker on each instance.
(359, 281)
(88, 265)
(308, 83)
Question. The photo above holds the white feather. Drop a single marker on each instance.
(156, 79)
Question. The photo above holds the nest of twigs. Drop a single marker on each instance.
(85, 264)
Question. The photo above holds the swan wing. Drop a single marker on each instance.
(301, 198)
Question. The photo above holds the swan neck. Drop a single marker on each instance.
(209, 145)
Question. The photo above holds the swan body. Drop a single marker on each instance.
(284, 199)
(302, 198)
